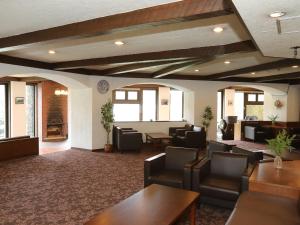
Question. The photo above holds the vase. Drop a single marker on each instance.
(278, 162)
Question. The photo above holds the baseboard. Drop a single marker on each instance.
(98, 150)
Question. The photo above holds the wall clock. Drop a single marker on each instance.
(103, 86)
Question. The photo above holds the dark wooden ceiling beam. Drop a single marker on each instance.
(24, 62)
(266, 66)
(152, 16)
(174, 68)
(201, 52)
(285, 76)
(137, 66)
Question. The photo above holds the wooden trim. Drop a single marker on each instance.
(152, 16)
(201, 53)
(261, 67)
(285, 76)
(24, 62)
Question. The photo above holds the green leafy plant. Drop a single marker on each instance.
(273, 118)
(207, 117)
(107, 118)
(280, 143)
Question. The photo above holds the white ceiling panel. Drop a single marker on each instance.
(264, 29)
(22, 16)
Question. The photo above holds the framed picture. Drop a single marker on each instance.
(164, 102)
(19, 100)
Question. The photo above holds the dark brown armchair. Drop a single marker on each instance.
(172, 168)
(195, 138)
(173, 130)
(221, 179)
(128, 139)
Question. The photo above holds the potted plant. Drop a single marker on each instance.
(207, 117)
(279, 145)
(107, 118)
(273, 118)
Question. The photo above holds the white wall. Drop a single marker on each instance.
(163, 110)
(18, 111)
(86, 129)
(293, 103)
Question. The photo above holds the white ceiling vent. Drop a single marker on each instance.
(288, 25)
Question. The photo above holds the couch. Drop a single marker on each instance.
(172, 168)
(264, 209)
(195, 138)
(127, 139)
(221, 179)
(16, 147)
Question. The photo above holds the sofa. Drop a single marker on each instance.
(16, 147)
(264, 209)
(172, 168)
(221, 179)
(195, 138)
(127, 139)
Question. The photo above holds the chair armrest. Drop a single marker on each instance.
(180, 132)
(153, 165)
(126, 128)
(129, 131)
(246, 176)
(200, 170)
(187, 174)
(172, 130)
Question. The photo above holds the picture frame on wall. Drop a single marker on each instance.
(19, 100)
(164, 102)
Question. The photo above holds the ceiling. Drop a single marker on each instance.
(163, 38)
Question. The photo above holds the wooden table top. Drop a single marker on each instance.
(154, 205)
(158, 135)
(288, 176)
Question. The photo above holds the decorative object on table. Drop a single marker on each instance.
(207, 117)
(279, 145)
(102, 86)
(107, 118)
(278, 104)
(19, 100)
(273, 118)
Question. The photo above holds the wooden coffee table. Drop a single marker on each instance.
(154, 205)
(158, 139)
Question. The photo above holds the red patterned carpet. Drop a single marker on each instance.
(70, 187)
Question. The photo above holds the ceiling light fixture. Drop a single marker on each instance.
(218, 29)
(227, 62)
(277, 14)
(52, 52)
(253, 73)
(295, 66)
(119, 43)
(196, 70)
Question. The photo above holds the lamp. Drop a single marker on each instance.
(59, 92)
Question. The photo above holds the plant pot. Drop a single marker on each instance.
(278, 162)
(107, 148)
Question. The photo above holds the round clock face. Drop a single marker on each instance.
(103, 86)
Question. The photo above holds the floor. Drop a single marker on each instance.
(70, 187)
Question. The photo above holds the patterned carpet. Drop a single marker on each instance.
(70, 187)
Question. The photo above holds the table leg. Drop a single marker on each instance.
(193, 214)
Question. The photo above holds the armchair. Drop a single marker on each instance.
(221, 179)
(258, 133)
(187, 127)
(128, 139)
(172, 168)
(195, 138)
(215, 146)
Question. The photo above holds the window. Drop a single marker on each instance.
(149, 105)
(3, 111)
(261, 97)
(30, 110)
(176, 105)
(251, 97)
(142, 103)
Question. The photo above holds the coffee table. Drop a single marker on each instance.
(154, 205)
(158, 139)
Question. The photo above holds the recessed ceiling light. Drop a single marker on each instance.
(227, 62)
(52, 52)
(218, 29)
(277, 14)
(119, 43)
(253, 73)
(295, 66)
(196, 70)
